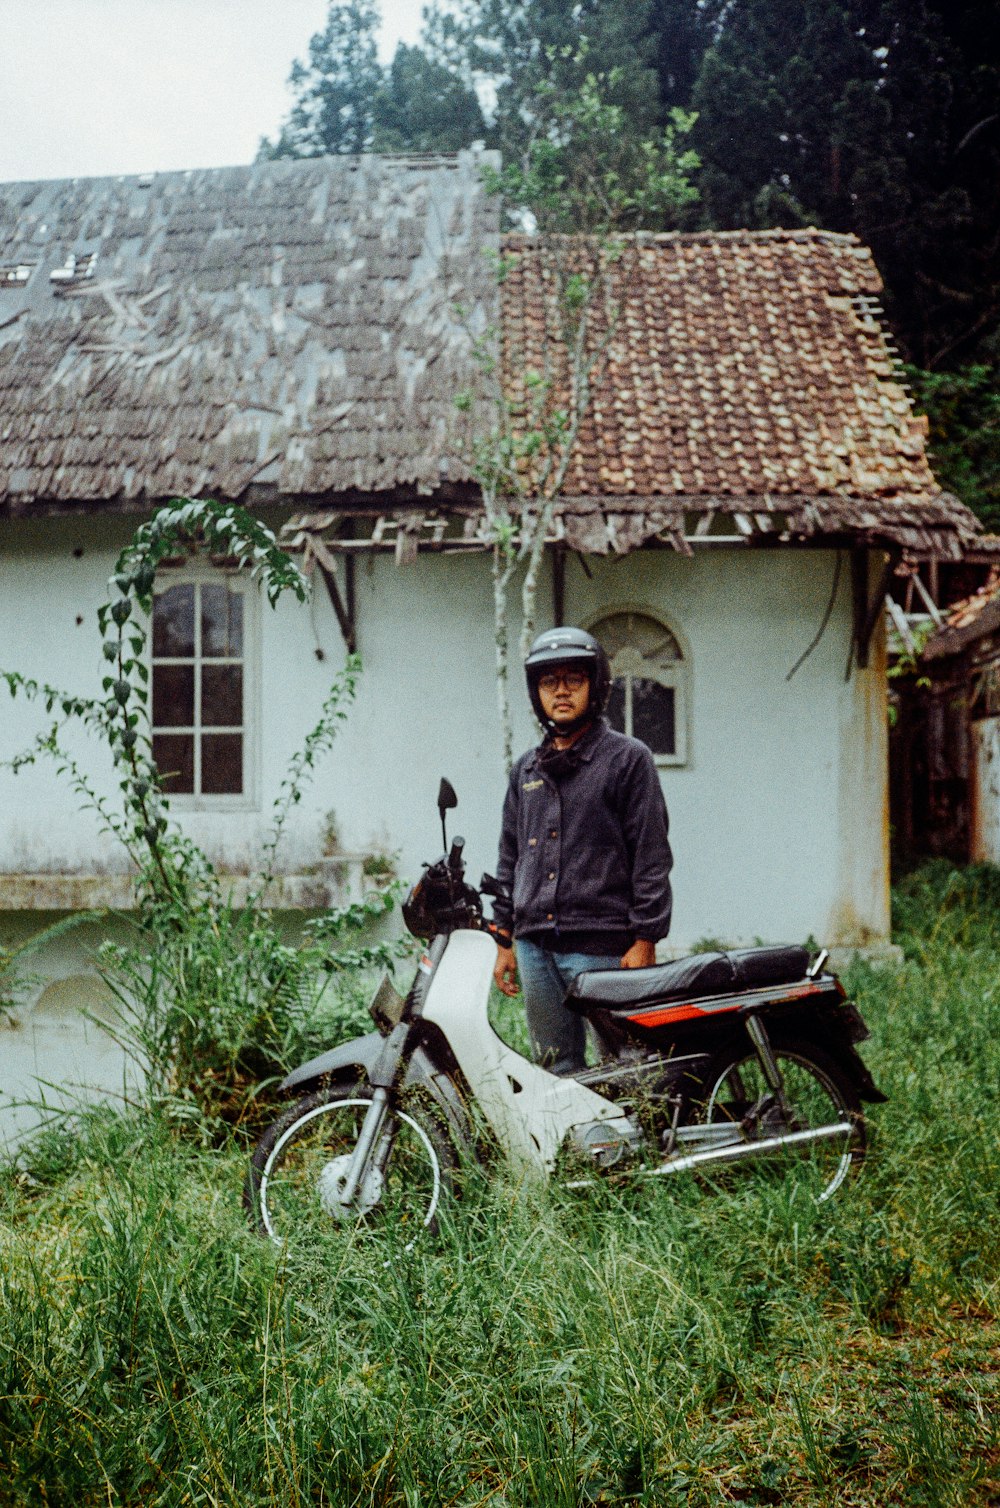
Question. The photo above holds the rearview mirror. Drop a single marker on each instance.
(446, 800)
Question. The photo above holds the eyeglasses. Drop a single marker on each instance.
(573, 680)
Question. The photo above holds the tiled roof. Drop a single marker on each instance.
(963, 614)
(291, 323)
(744, 369)
(968, 620)
(304, 328)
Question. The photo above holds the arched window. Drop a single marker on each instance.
(649, 677)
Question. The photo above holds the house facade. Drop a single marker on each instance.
(293, 336)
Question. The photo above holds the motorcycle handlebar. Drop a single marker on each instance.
(455, 856)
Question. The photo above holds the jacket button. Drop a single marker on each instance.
(553, 833)
(549, 916)
(552, 874)
(532, 842)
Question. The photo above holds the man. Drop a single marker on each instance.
(584, 857)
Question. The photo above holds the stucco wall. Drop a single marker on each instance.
(778, 815)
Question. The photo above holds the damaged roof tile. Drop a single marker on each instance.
(741, 367)
(234, 312)
(307, 326)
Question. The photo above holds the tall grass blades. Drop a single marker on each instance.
(702, 1344)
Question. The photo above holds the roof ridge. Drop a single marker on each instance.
(349, 161)
(804, 234)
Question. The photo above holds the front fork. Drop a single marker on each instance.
(372, 1147)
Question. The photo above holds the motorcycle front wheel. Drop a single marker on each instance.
(817, 1094)
(298, 1167)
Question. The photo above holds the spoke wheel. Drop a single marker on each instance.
(297, 1172)
(816, 1093)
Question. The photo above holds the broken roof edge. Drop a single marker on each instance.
(609, 525)
(938, 525)
(949, 641)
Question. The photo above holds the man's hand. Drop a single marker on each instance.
(505, 971)
(641, 955)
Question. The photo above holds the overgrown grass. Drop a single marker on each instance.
(689, 1343)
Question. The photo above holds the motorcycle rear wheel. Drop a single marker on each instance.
(818, 1093)
(290, 1194)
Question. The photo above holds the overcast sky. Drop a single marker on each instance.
(92, 87)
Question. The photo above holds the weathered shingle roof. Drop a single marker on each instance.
(745, 370)
(304, 327)
(290, 322)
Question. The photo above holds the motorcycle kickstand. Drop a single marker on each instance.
(668, 1139)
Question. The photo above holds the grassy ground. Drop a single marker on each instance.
(691, 1344)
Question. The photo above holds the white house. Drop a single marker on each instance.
(293, 335)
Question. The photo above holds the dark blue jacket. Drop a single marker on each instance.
(587, 852)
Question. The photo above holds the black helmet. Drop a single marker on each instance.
(566, 647)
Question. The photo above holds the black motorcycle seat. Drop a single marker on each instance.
(687, 978)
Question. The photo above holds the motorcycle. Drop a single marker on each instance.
(714, 1059)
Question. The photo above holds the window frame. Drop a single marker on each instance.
(200, 573)
(675, 676)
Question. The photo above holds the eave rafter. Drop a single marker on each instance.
(330, 540)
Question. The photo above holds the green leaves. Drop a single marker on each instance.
(211, 994)
(121, 718)
(963, 408)
(586, 170)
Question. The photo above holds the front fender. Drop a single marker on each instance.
(339, 1063)
(355, 1059)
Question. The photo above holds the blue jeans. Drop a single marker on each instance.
(558, 1035)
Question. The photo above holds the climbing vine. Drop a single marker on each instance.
(212, 997)
(121, 715)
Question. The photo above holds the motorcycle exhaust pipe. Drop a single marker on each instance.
(737, 1151)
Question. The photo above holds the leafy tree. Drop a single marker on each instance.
(776, 96)
(347, 103)
(422, 106)
(877, 116)
(942, 260)
(963, 408)
(584, 171)
(681, 31)
(336, 90)
(527, 51)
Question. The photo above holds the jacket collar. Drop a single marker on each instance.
(586, 746)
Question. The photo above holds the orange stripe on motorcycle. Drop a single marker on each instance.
(671, 1013)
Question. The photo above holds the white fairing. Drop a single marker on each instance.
(530, 1110)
